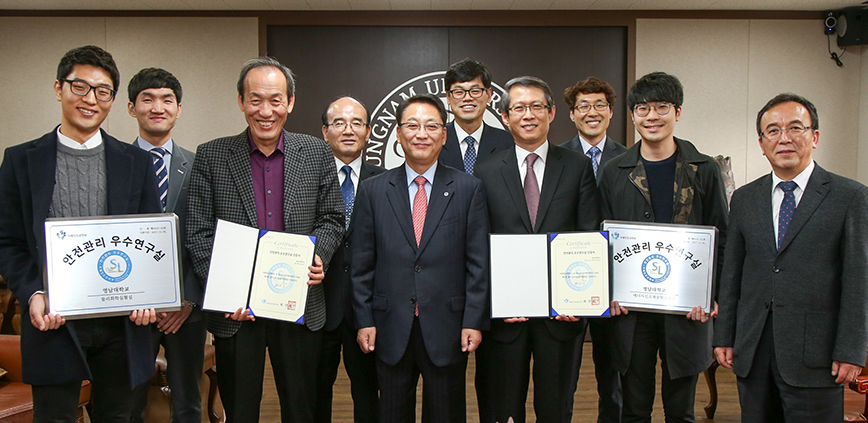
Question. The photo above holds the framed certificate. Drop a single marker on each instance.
(660, 267)
(547, 275)
(111, 265)
(265, 271)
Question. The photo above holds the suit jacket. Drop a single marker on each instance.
(26, 187)
(176, 202)
(569, 201)
(815, 283)
(493, 140)
(221, 187)
(701, 201)
(336, 285)
(447, 275)
(610, 151)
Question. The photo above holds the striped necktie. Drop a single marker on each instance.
(162, 174)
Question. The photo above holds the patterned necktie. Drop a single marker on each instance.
(531, 189)
(788, 206)
(349, 195)
(162, 174)
(469, 155)
(593, 153)
(420, 208)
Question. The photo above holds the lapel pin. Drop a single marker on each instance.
(446, 194)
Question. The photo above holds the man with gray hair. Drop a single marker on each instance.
(268, 178)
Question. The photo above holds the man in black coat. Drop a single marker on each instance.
(641, 185)
(345, 127)
(793, 296)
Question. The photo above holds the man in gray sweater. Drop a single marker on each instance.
(75, 170)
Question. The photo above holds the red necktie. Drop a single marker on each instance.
(420, 208)
(531, 189)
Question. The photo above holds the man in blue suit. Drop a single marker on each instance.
(420, 271)
(155, 102)
(76, 170)
(468, 138)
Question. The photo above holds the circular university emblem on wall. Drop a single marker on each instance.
(114, 266)
(656, 268)
(280, 278)
(382, 148)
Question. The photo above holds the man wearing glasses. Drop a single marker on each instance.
(535, 187)
(420, 271)
(662, 179)
(793, 296)
(591, 102)
(468, 138)
(76, 170)
(345, 127)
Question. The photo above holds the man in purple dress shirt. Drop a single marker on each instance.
(271, 179)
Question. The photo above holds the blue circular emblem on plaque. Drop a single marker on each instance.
(656, 268)
(280, 278)
(580, 276)
(114, 266)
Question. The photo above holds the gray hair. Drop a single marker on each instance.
(269, 62)
(525, 81)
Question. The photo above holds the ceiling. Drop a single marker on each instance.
(260, 5)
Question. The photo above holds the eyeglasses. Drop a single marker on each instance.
(81, 88)
(793, 131)
(584, 107)
(413, 127)
(662, 108)
(341, 125)
(536, 108)
(459, 93)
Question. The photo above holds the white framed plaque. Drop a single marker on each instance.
(547, 275)
(111, 265)
(261, 270)
(660, 267)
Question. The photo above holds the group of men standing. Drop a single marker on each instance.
(400, 282)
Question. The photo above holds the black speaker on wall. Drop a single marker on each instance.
(850, 23)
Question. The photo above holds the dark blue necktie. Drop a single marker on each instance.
(162, 173)
(469, 155)
(349, 195)
(788, 206)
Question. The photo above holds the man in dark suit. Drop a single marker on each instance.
(345, 127)
(535, 187)
(468, 138)
(661, 179)
(155, 102)
(793, 296)
(591, 103)
(420, 271)
(271, 179)
(76, 170)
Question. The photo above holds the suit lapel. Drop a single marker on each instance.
(552, 175)
(119, 169)
(487, 146)
(812, 196)
(291, 163)
(241, 174)
(399, 198)
(451, 152)
(441, 194)
(41, 170)
(364, 173)
(764, 197)
(177, 170)
(512, 181)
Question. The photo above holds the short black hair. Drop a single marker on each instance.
(325, 118)
(591, 85)
(153, 78)
(656, 86)
(525, 81)
(266, 61)
(88, 55)
(787, 98)
(421, 98)
(467, 70)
